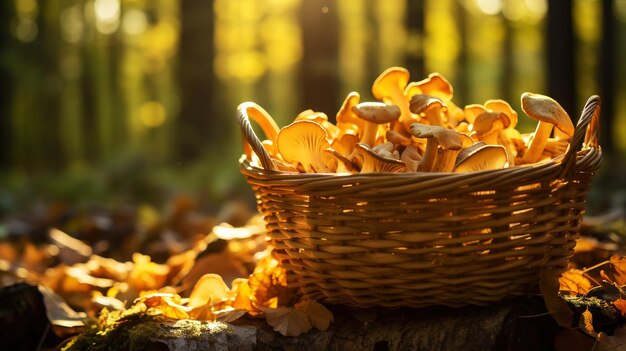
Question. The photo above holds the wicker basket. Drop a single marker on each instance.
(420, 239)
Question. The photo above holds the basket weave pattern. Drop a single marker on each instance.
(420, 239)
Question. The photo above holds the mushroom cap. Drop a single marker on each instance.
(376, 112)
(472, 111)
(397, 138)
(480, 157)
(499, 105)
(447, 138)
(372, 162)
(391, 78)
(310, 115)
(345, 114)
(347, 164)
(545, 109)
(304, 142)
(436, 85)
(422, 102)
(487, 121)
(411, 89)
(411, 158)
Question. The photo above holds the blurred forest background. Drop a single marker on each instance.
(118, 101)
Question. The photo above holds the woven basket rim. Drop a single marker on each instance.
(246, 164)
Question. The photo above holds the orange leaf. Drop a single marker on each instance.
(210, 287)
(620, 304)
(619, 268)
(268, 283)
(166, 303)
(575, 282)
(319, 316)
(242, 299)
(147, 275)
(588, 323)
(287, 320)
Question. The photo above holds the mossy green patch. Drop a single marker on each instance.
(141, 331)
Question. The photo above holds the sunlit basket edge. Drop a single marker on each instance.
(420, 239)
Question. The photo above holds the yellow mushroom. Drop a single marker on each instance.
(429, 106)
(389, 88)
(303, 143)
(480, 157)
(549, 114)
(374, 113)
(448, 139)
(411, 158)
(372, 162)
(488, 126)
(345, 117)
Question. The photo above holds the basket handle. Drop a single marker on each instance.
(245, 111)
(586, 134)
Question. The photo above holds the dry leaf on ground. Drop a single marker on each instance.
(319, 316)
(287, 320)
(575, 282)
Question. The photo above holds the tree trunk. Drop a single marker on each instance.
(197, 122)
(414, 61)
(318, 69)
(561, 55)
(606, 72)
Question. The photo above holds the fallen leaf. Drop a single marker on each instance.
(71, 250)
(168, 304)
(319, 316)
(210, 287)
(620, 304)
(226, 231)
(575, 282)
(619, 269)
(287, 320)
(58, 312)
(145, 274)
(229, 314)
(587, 323)
(243, 295)
(558, 308)
(616, 342)
(268, 283)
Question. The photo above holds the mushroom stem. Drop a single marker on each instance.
(433, 115)
(369, 134)
(402, 102)
(491, 138)
(445, 160)
(538, 143)
(429, 155)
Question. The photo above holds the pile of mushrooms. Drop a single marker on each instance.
(415, 127)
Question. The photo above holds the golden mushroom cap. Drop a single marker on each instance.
(391, 79)
(377, 112)
(304, 142)
(480, 157)
(545, 109)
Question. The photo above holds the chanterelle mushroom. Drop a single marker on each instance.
(389, 88)
(480, 157)
(372, 162)
(411, 158)
(345, 115)
(449, 139)
(429, 106)
(304, 142)
(488, 125)
(374, 113)
(549, 114)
